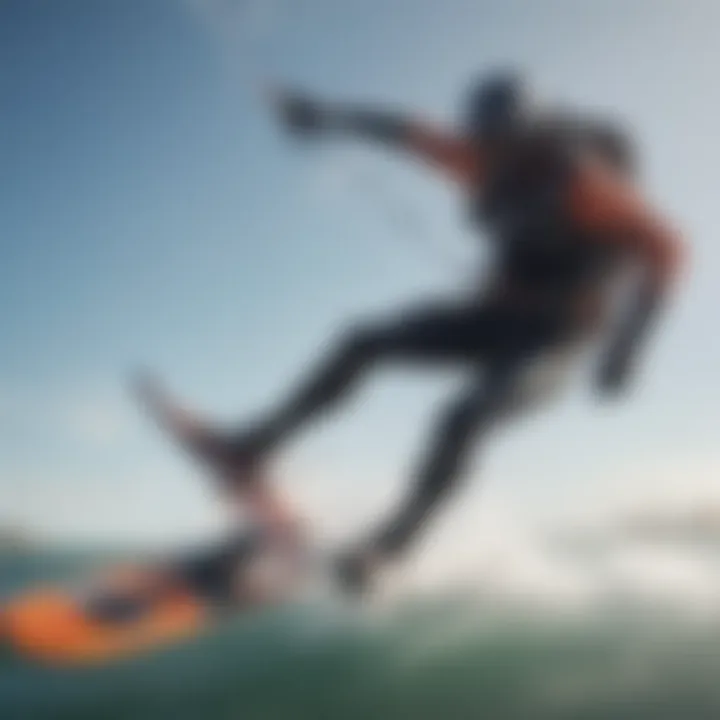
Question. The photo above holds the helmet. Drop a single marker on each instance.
(496, 105)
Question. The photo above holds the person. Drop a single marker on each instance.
(556, 196)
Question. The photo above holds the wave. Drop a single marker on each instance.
(521, 624)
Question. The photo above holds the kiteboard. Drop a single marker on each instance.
(61, 625)
(130, 609)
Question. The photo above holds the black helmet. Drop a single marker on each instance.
(496, 105)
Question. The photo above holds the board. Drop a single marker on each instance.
(60, 625)
(56, 625)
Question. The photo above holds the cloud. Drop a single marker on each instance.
(92, 414)
(511, 560)
(589, 564)
(157, 502)
(99, 417)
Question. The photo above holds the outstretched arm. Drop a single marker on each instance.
(456, 157)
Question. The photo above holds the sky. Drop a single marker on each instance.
(152, 215)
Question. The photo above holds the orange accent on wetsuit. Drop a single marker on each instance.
(608, 206)
(600, 201)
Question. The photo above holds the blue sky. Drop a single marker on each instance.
(152, 214)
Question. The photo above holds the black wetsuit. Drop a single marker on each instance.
(538, 255)
(211, 573)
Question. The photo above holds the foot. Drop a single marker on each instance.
(235, 459)
(355, 571)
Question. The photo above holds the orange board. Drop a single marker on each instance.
(51, 625)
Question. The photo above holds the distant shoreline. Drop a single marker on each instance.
(12, 541)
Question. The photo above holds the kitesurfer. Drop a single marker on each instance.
(557, 197)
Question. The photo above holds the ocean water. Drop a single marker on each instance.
(449, 654)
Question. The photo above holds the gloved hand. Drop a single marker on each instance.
(619, 363)
(614, 374)
(233, 459)
(299, 113)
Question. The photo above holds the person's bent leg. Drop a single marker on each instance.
(465, 423)
(431, 334)
(327, 385)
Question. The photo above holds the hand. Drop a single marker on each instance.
(619, 363)
(614, 375)
(299, 113)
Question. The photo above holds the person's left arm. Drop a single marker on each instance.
(604, 202)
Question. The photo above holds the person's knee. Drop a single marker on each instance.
(361, 343)
(463, 418)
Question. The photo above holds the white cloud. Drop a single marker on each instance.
(95, 414)
(509, 559)
(98, 417)
(501, 554)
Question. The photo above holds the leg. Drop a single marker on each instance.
(469, 419)
(464, 333)
(328, 384)
(509, 388)
(431, 333)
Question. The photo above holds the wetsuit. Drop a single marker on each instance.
(209, 573)
(544, 271)
(212, 572)
(559, 215)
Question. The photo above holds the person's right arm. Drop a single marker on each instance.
(454, 156)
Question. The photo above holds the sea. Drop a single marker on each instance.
(631, 632)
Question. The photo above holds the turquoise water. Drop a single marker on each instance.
(446, 657)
